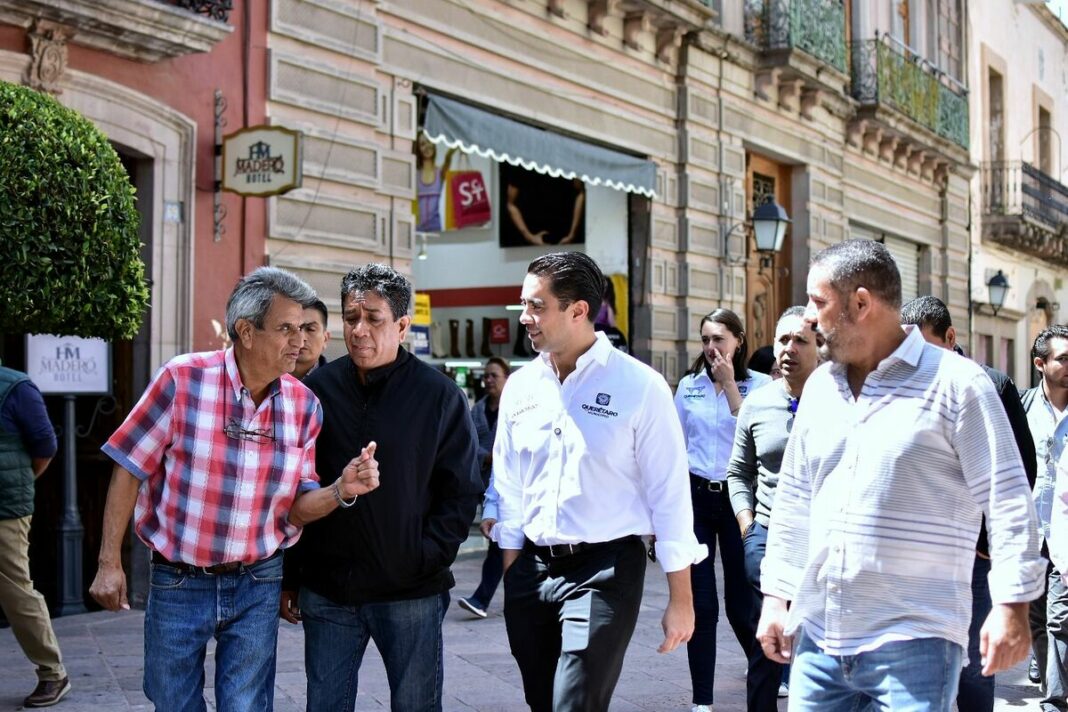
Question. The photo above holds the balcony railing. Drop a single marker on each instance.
(215, 9)
(1018, 188)
(884, 73)
(816, 27)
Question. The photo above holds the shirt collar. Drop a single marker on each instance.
(232, 371)
(598, 353)
(908, 351)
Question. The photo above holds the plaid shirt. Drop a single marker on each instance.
(207, 497)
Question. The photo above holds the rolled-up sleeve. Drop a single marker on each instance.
(994, 473)
(508, 531)
(309, 478)
(788, 533)
(661, 455)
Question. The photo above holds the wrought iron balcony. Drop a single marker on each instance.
(887, 74)
(1025, 209)
(816, 27)
(145, 30)
(215, 9)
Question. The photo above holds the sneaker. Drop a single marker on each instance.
(1033, 673)
(701, 708)
(784, 690)
(472, 607)
(48, 693)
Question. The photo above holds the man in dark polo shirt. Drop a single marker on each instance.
(378, 569)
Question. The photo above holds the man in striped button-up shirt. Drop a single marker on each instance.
(897, 449)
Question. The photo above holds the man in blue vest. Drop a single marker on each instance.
(27, 445)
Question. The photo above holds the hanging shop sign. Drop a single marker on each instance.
(69, 365)
(262, 161)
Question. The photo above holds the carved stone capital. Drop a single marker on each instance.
(48, 56)
(597, 11)
(790, 94)
(887, 147)
(764, 82)
(634, 24)
(810, 100)
(668, 40)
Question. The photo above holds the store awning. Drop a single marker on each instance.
(458, 125)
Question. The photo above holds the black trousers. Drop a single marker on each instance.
(569, 621)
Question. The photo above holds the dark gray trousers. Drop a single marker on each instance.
(569, 621)
(1049, 632)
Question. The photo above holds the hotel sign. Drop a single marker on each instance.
(69, 364)
(262, 161)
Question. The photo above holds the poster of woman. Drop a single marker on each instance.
(539, 209)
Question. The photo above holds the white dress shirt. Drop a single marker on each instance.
(707, 422)
(873, 532)
(1058, 521)
(595, 458)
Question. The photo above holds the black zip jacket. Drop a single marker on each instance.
(397, 542)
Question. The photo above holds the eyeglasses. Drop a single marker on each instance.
(236, 431)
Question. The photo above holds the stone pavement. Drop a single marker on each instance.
(103, 652)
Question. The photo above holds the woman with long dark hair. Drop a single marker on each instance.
(708, 399)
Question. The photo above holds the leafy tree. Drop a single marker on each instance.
(69, 250)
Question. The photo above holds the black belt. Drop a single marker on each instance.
(710, 485)
(559, 551)
(213, 570)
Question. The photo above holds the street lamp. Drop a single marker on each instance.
(769, 226)
(998, 287)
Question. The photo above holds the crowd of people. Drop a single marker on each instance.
(889, 520)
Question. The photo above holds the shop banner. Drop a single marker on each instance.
(421, 315)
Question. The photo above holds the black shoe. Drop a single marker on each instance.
(1033, 673)
(48, 693)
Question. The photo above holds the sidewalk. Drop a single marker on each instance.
(103, 652)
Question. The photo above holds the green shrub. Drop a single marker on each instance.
(69, 250)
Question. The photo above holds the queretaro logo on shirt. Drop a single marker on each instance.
(693, 392)
(600, 410)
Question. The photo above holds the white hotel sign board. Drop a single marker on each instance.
(69, 365)
(262, 161)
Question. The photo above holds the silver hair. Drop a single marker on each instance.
(252, 297)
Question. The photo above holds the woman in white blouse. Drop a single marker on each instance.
(708, 399)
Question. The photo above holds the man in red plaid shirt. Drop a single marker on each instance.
(219, 456)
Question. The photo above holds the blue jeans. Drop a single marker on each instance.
(977, 691)
(186, 610)
(713, 519)
(764, 675)
(492, 570)
(914, 675)
(406, 633)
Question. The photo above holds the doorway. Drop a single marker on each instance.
(768, 280)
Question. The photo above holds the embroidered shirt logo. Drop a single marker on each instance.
(603, 399)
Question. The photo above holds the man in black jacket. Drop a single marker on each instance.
(377, 568)
(976, 693)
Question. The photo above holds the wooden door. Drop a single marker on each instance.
(768, 279)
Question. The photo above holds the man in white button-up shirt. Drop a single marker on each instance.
(589, 456)
(898, 447)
